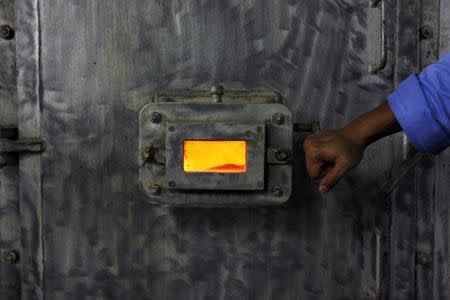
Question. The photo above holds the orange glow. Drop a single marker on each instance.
(215, 156)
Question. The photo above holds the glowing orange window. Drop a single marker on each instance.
(214, 156)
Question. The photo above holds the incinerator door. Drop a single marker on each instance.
(88, 69)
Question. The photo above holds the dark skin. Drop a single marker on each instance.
(331, 154)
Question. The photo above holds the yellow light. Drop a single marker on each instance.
(215, 156)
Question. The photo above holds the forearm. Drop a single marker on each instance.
(372, 126)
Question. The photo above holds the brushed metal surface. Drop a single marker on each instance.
(9, 202)
(87, 231)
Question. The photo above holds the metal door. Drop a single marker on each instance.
(85, 70)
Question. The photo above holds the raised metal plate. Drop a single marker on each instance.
(152, 135)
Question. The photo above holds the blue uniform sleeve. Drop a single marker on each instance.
(421, 105)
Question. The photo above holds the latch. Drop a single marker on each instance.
(10, 146)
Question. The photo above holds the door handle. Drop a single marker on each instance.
(375, 68)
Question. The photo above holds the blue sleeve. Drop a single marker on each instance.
(421, 105)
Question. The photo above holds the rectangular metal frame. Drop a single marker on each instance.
(155, 119)
(252, 179)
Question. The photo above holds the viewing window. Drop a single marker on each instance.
(214, 156)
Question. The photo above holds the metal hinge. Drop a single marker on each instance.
(10, 146)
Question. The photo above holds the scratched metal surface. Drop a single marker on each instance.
(441, 230)
(91, 235)
(9, 204)
(8, 111)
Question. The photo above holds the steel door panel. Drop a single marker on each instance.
(97, 65)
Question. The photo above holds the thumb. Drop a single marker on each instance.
(332, 177)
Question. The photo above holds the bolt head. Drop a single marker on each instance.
(172, 183)
(277, 191)
(259, 129)
(259, 183)
(156, 117)
(171, 128)
(155, 189)
(6, 32)
(282, 155)
(11, 256)
(278, 118)
(426, 32)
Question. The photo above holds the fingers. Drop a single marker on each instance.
(316, 157)
(333, 176)
(313, 163)
(330, 154)
(314, 168)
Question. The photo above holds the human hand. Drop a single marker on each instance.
(330, 155)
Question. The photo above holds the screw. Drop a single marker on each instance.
(426, 32)
(282, 155)
(172, 183)
(6, 32)
(155, 189)
(259, 183)
(171, 128)
(277, 118)
(11, 256)
(259, 129)
(156, 117)
(277, 191)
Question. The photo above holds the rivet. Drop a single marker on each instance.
(155, 189)
(277, 118)
(259, 129)
(156, 117)
(277, 191)
(259, 183)
(6, 32)
(282, 155)
(171, 128)
(172, 183)
(11, 256)
(426, 32)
